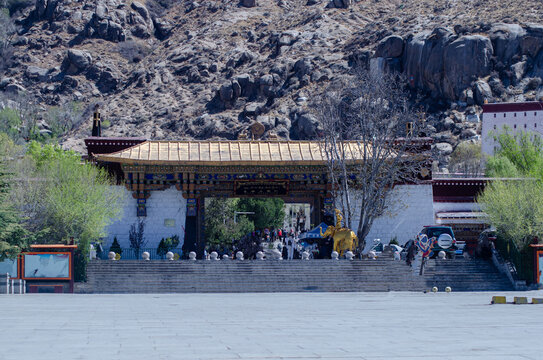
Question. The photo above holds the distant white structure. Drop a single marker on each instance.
(521, 116)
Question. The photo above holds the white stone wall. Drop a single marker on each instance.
(166, 207)
(528, 121)
(411, 207)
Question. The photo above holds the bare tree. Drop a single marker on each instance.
(370, 141)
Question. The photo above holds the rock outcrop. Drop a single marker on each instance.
(209, 69)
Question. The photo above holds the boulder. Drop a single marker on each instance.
(266, 85)
(468, 134)
(506, 40)
(518, 70)
(77, 61)
(303, 67)
(537, 67)
(46, 9)
(163, 28)
(424, 60)
(339, 4)
(466, 58)
(248, 87)
(248, 3)
(308, 126)
(444, 148)
(37, 73)
(391, 46)
(532, 41)
(141, 9)
(15, 89)
(482, 92)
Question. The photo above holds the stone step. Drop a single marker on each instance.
(275, 276)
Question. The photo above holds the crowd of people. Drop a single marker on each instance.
(286, 241)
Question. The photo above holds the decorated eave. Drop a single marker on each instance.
(226, 153)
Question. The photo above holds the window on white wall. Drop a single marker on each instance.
(494, 127)
(515, 126)
(494, 115)
(504, 115)
(525, 126)
(515, 115)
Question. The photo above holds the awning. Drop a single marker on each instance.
(314, 233)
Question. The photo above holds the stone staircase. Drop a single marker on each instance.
(465, 275)
(382, 274)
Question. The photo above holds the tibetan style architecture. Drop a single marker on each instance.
(518, 116)
(167, 183)
(455, 206)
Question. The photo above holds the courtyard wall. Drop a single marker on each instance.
(166, 214)
(410, 208)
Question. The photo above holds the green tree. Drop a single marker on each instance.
(220, 228)
(519, 154)
(467, 158)
(59, 193)
(515, 206)
(10, 122)
(13, 237)
(268, 212)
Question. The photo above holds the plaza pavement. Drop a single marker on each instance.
(395, 325)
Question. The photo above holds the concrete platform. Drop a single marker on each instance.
(394, 325)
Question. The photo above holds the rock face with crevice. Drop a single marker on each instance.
(209, 69)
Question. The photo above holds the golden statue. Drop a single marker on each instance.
(344, 238)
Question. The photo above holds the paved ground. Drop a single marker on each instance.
(269, 326)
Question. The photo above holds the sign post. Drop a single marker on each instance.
(425, 245)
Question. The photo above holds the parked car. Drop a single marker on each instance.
(445, 240)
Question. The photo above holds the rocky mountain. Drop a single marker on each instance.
(166, 69)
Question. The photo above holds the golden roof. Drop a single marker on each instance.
(242, 152)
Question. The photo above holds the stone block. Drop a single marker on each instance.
(520, 300)
(499, 300)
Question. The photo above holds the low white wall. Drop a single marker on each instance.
(411, 207)
(161, 205)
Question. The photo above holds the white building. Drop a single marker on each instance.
(522, 116)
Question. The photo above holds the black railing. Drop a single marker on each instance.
(521, 259)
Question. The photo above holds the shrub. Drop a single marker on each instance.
(161, 249)
(115, 247)
(166, 245)
(133, 51)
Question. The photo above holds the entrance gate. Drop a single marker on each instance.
(292, 170)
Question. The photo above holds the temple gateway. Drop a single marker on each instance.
(167, 182)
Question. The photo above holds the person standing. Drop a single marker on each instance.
(290, 248)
